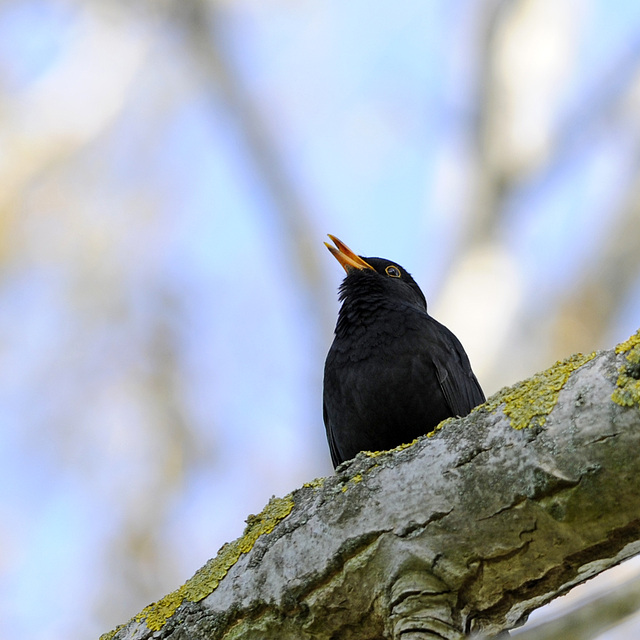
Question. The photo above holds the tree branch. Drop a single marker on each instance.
(465, 530)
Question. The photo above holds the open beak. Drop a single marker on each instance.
(345, 256)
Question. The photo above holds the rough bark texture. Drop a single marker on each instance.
(465, 530)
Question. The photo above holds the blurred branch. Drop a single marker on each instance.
(201, 22)
(591, 618)
(491, 182)
(139, 551)
(51, 119)
(596, 109)
(526, 49)
(614, 267)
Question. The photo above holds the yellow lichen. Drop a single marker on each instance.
(206, 579)
(628, 345)
(314, 484)
(375, 454)
(627, 391)
(440, 426)
(356, 479)
(529, 402)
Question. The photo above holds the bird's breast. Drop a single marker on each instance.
(372, 340)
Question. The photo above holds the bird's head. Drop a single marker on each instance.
(374, 277)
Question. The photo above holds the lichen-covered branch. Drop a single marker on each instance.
(465, 530)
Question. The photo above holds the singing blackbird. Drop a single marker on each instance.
(393, 373)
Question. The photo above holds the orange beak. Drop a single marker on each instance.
(345, 256)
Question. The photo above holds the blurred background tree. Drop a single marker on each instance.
(168, 172)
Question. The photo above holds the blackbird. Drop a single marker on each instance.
(393, 373)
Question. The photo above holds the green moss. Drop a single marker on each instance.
(627, 391)
(208, 577)
(529, 402)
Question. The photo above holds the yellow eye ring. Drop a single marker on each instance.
(393, 271)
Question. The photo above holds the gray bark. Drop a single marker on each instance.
(467, 530)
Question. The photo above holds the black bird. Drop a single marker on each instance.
(393, 373)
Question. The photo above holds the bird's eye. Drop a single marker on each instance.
(393, 271)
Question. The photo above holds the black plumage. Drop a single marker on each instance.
(393, 373)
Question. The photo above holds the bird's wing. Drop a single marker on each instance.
(336, 459)
(461, 389)
(459, 385)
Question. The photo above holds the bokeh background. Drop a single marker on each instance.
(168, 172)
